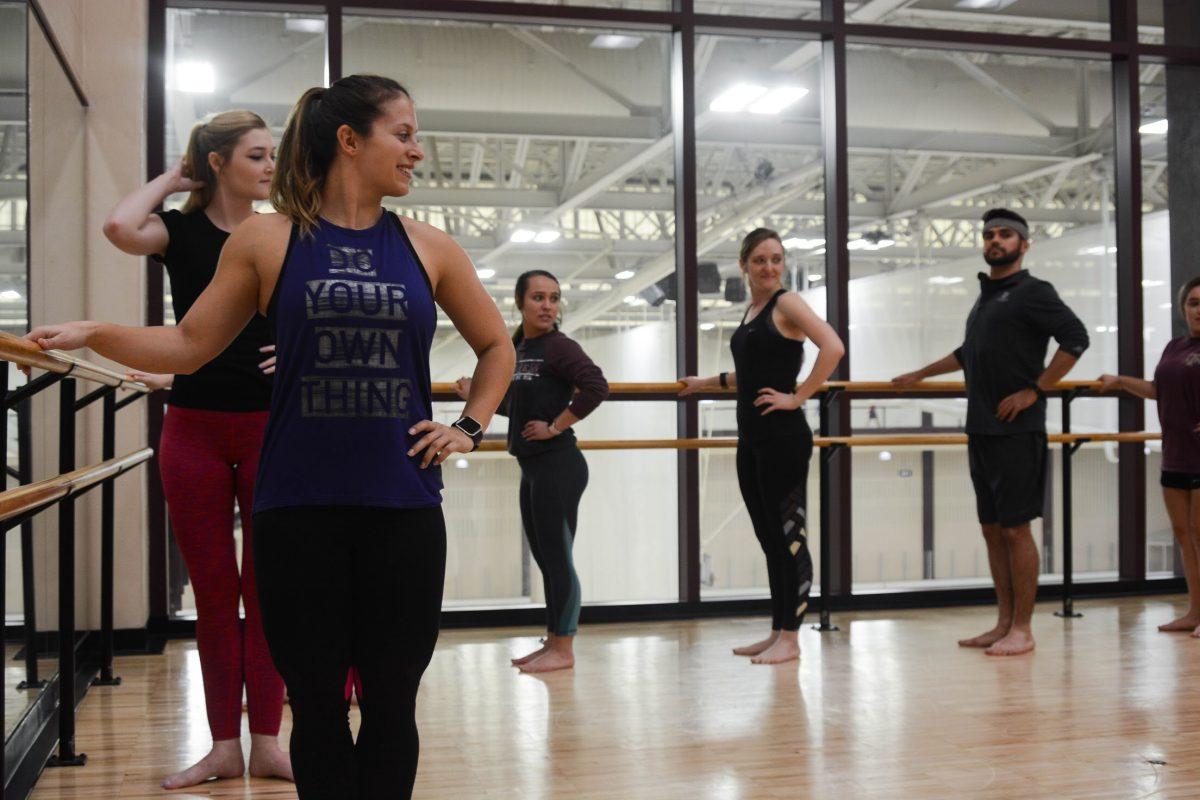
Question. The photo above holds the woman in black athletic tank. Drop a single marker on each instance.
(541, 406)
(774, 440)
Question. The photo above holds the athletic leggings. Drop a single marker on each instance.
(774, 481)
(551, 485)
(342, 586)
(207, 460)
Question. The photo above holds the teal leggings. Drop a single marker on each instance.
(551, 486)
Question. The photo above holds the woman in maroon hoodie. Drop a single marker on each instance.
(542, 405)
(1176, 387)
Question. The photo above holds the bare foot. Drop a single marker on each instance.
(783, 650)
(1014, 644)
(224, 761)
(525, 659)
(757, 647)
(550, 661)
(268, 761)
(985, 639)
(1185, 623)
(1196, 633)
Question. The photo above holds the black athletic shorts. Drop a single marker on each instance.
(1009, 473)
(1188, 481)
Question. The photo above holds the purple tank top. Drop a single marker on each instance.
(354, 317)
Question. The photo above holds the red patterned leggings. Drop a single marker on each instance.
(208, 460)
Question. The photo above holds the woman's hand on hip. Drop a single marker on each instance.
(774, 400)
(438, 442)
(537, 431)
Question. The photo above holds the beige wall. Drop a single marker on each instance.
(80, 163)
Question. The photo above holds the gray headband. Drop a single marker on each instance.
(1007, 222)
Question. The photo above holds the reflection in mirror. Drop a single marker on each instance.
(55, 236)
(14, 206)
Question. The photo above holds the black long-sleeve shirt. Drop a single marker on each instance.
(1004, 349)
(549, 370)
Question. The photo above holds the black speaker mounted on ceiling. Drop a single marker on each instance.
(735, 290)
(708, 278)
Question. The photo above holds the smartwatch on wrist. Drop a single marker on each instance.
(472, 429)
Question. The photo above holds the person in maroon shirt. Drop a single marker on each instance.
(541, 405)
(1176, 387)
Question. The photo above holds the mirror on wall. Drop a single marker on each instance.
(42, 230)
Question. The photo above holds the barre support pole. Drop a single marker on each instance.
(826, 459)
(67, 757)
(107, 535)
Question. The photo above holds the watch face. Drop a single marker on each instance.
(469, 426)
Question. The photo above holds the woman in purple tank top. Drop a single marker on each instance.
(350, 544)
(1176, 387)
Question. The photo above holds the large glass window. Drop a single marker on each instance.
(551, 148)
(222, 59)
(758, 164)
(936, 138)
(1066, 19)
(1170, 117)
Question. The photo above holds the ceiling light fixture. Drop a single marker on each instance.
(624, 275)
(195, 77)
(522, 235)
(546, 237)
(798, 243)
(615, 41)
(707, 326)
(305, 25)
(1156, 128)
(737, 98)
(777, 99)
(485, 273)
(945, 280)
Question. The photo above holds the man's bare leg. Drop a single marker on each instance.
(1023, 572)
(1180, 511)
(1000, 564)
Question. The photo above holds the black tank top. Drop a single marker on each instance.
(763, 357)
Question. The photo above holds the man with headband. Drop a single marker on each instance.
(1003, 356)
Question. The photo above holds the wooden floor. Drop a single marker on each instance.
(887, 708)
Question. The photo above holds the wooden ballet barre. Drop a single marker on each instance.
(22, 499)
(895, 440)
(25, 353)
(847, 387)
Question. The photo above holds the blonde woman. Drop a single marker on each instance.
(212, 433)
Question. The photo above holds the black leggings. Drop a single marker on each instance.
(342, 586)
(774, 481)
(551, 486)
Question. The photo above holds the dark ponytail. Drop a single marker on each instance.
(753, 239)
(309, 142)
(522, 287)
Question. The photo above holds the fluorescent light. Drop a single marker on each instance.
(631, 299)
(1166, 305)
(979, 5)
(945, 280)
(195, 77)
(624, 275)
(738, 97)
(814, 278)
(885, 455)
(1156, 128)
(1151, 284)
(485, 273)
(796, 243)
(546, 237)
(522, 235)
(10, 295)
(616, 41)
(303, 25)
(866, 243)
(1097, 250)
(778, 99)
(707, 326)
(461, 463)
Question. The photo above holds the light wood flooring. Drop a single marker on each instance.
(887, 708)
